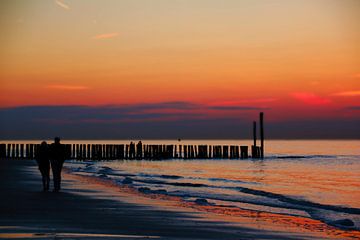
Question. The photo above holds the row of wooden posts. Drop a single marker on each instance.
(132, 151)
(143, 151)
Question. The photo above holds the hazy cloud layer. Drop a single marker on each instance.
(160, 120)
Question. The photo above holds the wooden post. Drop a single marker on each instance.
(244, 151)
(88, 156)
(21, 151)
(146, 151)
(26, 151)
(12, 150)
(8, 152)
(262, 133)
(116, 151)
(92, 150)
(254, 133)
(107, 152)
(175, 152)
(31, 151)
(121, 150)
(83, 153)
(73, 151)
(17, 151)
(232, 151)
(2, 151)
(127, 151)
(225, 152)
(96, 153)
(111, 148)
(103, 152)
(80, 151)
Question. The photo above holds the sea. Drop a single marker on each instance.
(318, 179)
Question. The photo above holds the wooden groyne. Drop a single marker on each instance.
(130, 151)
(139, 151)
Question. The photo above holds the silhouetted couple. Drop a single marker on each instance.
(54, 154)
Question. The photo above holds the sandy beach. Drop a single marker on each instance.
(87, 208)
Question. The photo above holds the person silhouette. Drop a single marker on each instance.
(57, 158)
(42, 159)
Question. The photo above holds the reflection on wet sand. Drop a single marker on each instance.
(249, 218)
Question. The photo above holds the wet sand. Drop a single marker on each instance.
(90, 209)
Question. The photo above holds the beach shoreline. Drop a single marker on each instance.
(92, 208)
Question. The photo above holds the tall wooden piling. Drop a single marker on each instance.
(262, 134)
(254, 133)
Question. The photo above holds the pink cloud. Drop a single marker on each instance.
(67, 87)
(310, 98)
(347, 94)
(106, 36)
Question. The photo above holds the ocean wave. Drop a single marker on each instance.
(305, 203)
(302, 156)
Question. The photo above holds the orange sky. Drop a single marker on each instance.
(299, 58)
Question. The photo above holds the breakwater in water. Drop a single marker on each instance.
(142, 151)
(134, 151)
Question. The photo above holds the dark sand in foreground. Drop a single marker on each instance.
(89, 210)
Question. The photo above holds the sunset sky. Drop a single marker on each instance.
(173, 62)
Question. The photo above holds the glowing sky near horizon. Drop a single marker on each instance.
(299, 58)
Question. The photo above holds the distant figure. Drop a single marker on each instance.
(132, 150)
(42, 159)
(139, 150)
(57, 158)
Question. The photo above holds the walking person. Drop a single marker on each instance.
(57, 158)
(42, 159)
